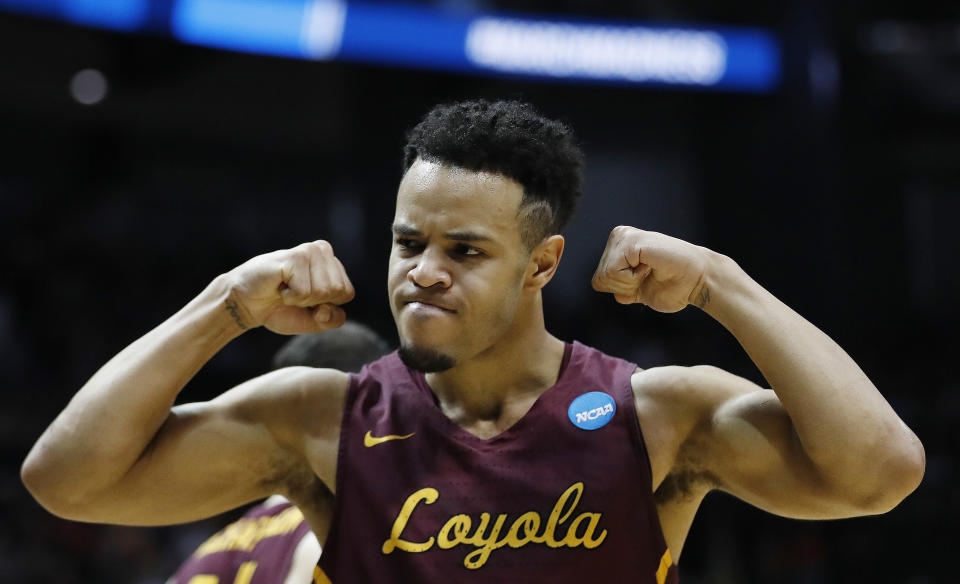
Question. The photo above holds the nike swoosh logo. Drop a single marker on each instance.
(371, 440)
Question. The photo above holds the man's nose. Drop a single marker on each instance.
(430, 270)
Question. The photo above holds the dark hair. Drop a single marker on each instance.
(347, 348)
(512, 139)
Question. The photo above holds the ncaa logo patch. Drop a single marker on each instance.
(592, 410)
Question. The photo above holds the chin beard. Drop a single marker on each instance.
(425, 360)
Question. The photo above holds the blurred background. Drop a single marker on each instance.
(148, 145)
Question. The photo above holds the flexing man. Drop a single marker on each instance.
(485, 450)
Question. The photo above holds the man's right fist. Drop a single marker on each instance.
(290, 291)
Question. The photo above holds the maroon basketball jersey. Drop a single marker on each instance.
(563, 495)
(258, 548)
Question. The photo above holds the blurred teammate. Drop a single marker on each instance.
(272, 539)
(485, 450)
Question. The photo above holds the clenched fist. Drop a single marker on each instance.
(663, 272)
(290, 291)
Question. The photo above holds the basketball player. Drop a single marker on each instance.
(272, 539)
(486, 449)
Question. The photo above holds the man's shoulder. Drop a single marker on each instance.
(292, 399)
(318, 391)
(675, 385)
(312, 378)
(688, 399)
(690, 386)
(303, 382)
(682, 397)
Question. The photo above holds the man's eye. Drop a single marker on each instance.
(408, 244)
(466, 250)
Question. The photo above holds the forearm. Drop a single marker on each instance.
(110, 422)
(844, 424)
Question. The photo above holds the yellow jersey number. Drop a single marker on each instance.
(244, 575)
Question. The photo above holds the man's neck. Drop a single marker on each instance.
(490, 392)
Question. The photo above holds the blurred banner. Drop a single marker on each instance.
(421, 36)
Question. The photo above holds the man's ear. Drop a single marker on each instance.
(544, 261)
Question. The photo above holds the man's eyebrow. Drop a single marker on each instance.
(467, 236)
(404, 229)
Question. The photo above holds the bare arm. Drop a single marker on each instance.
(822, 443)
(822, 404)
(119, 453)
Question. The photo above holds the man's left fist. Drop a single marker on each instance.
(663, 272)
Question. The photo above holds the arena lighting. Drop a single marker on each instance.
(124, 15)
(727, 58)
(599, 52)
(308, 29)
(88, 86)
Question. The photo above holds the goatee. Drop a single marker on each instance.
(425, 360)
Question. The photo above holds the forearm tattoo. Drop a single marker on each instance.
(231, 307)
(704, 298)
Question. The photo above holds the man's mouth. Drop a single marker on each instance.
(424, 305)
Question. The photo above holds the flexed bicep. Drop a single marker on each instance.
(214, 456)
(750, 445)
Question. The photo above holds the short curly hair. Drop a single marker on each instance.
(512, 139)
